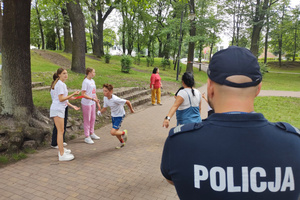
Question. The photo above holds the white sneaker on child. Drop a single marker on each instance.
(68, 151)
(88, 140)
(125, 136)
(65, 157)
(56, 147)
(120, 146)
(95, 137)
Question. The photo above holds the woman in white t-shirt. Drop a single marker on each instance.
(187, 104)
(54, 132)
(88, 104)
(57, 110)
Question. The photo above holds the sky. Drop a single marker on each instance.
(294, 3)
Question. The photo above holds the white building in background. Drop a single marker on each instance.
(115, 50)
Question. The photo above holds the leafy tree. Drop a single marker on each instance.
(99, 11)
(293, 46)
(38, 16)
(109, 38)
(280, 27)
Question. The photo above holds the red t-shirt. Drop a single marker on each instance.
(155, 80)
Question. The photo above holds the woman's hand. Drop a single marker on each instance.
(166, 123)
(76, 93)
(76, 108)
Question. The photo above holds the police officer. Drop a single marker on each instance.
(236, 153)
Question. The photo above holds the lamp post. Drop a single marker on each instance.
(191, 17)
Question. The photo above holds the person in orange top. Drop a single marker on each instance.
(155, 85)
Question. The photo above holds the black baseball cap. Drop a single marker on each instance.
(234, 61)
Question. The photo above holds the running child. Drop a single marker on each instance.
(116, 105)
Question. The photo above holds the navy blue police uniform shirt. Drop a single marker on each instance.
(233, 157)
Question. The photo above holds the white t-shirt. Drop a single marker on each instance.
(195, 100)
(59, 88)
(116, 105)
(89, 87)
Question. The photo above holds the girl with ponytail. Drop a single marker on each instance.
(60, 97)
(187, 104)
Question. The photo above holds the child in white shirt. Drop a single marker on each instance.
(116, 105)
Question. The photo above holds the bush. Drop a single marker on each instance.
(263, 68)
(137, 59)
(150, 61)
(289, 56)
(126, 63)
(107, 57)
(164, 63)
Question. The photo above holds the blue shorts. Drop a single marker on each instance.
(117, 121)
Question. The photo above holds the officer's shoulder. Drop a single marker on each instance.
(287, 127)
(185, 128)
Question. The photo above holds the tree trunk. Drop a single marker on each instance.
(100, 32)
(67, 33)
(166, 51)
(79, 40)
(234, 23)
(258, 24)
(16, 90)
(1, 26)
(130, 36)
(58, 32)
(295, 41)
(159, 48)
(189, 67)
(266, 40)
(40, 24)
(96, 33)
(123, 29)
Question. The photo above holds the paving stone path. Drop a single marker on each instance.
(100, 171)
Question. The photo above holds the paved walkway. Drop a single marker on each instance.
(99, 171)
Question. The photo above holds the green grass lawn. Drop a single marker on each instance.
(285, 82)
(275, 109)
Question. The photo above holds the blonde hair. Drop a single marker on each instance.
(87, 71)
(56, 77)
(108, 86)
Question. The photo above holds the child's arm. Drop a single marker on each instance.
(103, 110)
(203, 96)
(74, 107)
(130, 106)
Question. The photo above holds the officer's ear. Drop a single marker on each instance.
(258, 89)
(210, 89)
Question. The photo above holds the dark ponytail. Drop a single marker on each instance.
(188, 79)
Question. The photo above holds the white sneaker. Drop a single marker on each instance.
(65, 157)
(120, 146)
(56, 147)
(125, 136)
(68, 151)
(89, 140)
(95, 137)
